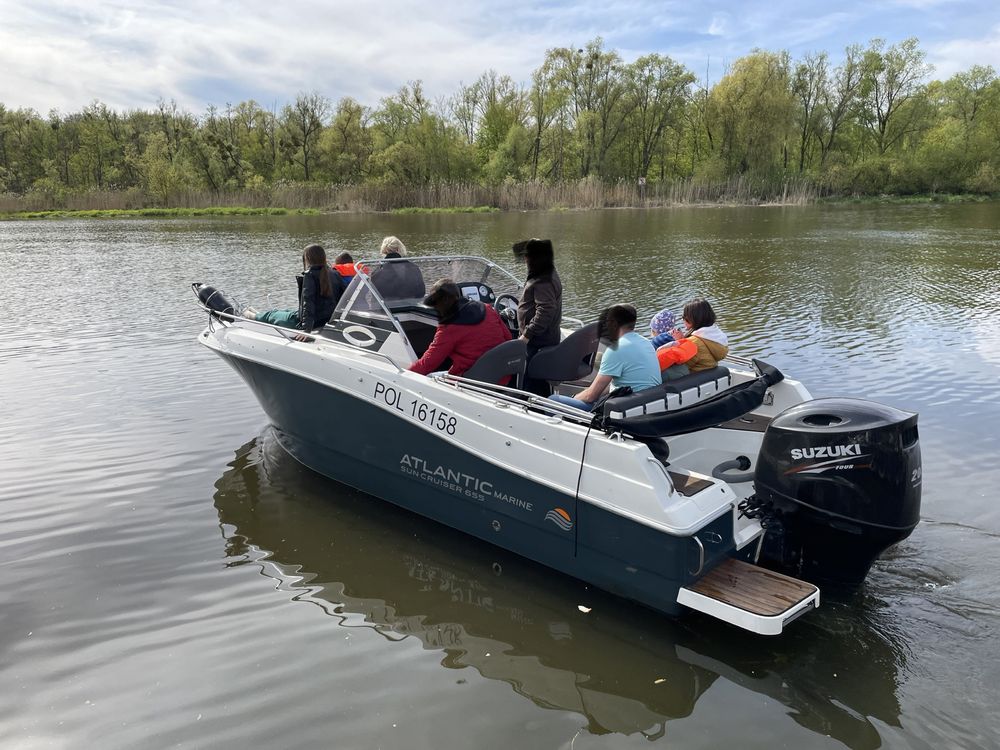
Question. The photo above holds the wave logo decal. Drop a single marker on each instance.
(560, 518)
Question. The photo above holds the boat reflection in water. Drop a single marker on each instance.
(624, 668)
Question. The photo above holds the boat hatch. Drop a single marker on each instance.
(750, 597)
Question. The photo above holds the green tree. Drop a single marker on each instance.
(752, 108)
(302, 123)
(347, 143)
(658, 88)
(162, 178)
(839, 99)
(891, 80)
(809, 83)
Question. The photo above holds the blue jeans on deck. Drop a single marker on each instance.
(569, 401)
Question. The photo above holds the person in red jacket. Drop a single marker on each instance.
(466, 330)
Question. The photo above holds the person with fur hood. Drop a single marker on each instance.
(539, 313)
(466, 330)
(704, 344)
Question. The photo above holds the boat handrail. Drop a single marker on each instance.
(741, 361)
(514, 397)
(213, 315)
(290, 333)
(357, 350)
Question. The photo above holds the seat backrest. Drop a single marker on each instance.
(508, 358)
(570, 359)
(674, 394)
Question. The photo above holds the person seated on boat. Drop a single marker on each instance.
(344, 265)
(539, 313)
(397, 279)
(320, 292)
(629, 360)
(702, 346)
(466, 330)
(660, 327)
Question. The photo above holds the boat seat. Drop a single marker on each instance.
(570, 359)
(672, 395)
(508, 358)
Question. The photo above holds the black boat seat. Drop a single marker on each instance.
(570, 359)
(674, 394)
(508, 358)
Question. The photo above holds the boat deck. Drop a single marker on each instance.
(752, 588)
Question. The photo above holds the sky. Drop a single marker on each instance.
(64, 54)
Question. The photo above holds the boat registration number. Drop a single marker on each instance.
(416, 408)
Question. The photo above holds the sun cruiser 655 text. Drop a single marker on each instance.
(709, 492)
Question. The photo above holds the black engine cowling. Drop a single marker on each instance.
(843, 479)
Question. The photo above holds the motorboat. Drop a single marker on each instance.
(731, 492)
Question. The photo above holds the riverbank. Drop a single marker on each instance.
(170, 213)
(145, 213)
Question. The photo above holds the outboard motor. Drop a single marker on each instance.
(842, 479)
(213, 299)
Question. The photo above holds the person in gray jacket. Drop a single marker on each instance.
(539, 313)
(397, 279)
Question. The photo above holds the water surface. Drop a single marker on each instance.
(172, 579)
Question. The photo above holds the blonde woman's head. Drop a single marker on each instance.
(393, 245)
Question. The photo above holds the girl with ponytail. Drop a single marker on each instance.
(319, 294)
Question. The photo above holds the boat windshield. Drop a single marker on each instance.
(386, 287)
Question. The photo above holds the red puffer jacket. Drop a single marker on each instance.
(471, 331)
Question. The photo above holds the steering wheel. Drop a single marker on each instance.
(506, 305)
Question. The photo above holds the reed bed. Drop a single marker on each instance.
(509, 196)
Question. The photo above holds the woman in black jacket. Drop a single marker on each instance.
(319, 295)
(539, 313)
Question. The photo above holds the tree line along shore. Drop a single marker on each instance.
(588, 131)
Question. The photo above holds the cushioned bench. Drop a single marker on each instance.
(672, 395)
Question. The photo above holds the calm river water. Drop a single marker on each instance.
(170, 578)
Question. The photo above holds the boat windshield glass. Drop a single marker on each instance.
(384, 288)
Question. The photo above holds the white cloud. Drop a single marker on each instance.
(719, 24)
(65, 53)
(958, 55)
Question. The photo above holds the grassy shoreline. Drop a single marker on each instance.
(168, 213)
(158, 213)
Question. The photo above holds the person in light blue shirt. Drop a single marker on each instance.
(629, 359)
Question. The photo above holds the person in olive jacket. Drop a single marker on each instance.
(539, 313)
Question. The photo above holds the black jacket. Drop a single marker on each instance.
(398, 279)
(315, 310)
(540, 311)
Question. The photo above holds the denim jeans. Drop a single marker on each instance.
(559, 398)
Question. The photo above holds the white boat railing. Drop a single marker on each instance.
(289, 334)
(513, 397)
